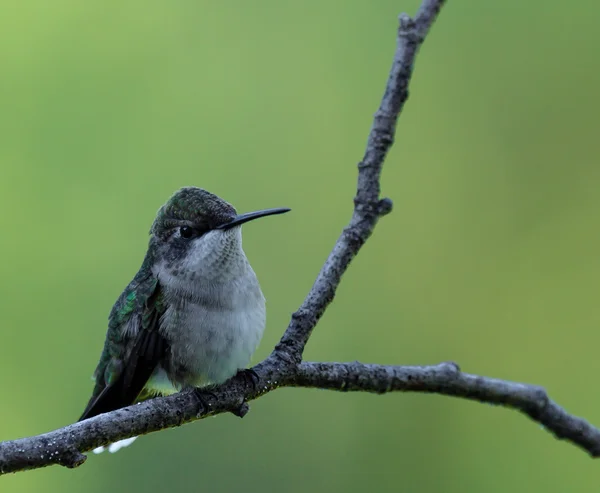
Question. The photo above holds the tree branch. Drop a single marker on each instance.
(368, 208)
(284, 367)
(447, 379)
(65, 445)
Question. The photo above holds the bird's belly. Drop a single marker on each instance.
(208, 346)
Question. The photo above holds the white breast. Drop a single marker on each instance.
(210, 342)
(213, 323)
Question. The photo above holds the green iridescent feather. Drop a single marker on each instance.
(141, 298)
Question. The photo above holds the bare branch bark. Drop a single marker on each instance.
(447, 379)
(65, 445)
(284, 367)
(368, 208)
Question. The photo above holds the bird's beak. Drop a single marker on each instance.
(250, 216)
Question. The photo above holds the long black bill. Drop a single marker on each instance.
(250, 216)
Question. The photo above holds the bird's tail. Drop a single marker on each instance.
(115, 447)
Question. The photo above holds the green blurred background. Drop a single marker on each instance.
(490, 257)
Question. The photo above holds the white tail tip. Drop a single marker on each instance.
(115, 447)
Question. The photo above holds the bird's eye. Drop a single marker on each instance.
(186, 232)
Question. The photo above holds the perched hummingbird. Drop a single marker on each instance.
(194, 313)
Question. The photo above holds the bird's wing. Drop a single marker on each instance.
(133, 346)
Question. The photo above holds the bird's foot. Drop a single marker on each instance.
(250, 377)
(200, 393)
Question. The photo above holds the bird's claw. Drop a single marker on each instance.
(200, 395)
(250, 377)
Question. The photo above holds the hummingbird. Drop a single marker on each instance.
(194, 313)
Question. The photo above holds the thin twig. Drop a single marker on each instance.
(447, 379)
(368, 208)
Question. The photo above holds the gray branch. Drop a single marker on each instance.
(368, 207)
(284, 367)
(65, 445)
